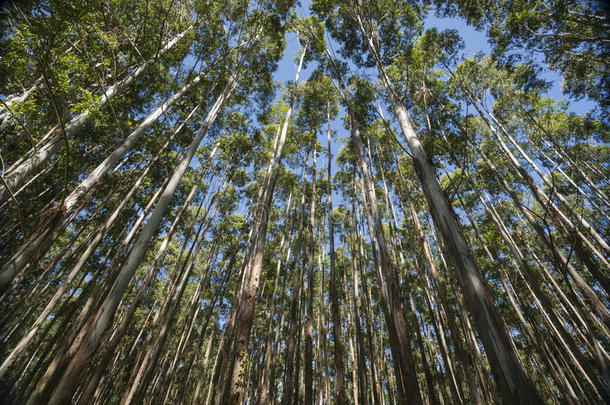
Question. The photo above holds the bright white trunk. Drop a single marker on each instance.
(39, 243)
(244, 308)
(18, 174)
(91, 335)
(25, 341)
(126, 145)
(512, 381)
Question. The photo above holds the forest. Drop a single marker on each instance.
(296, 202)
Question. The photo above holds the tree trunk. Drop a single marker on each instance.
(91, 335)
(244, 309)
(270, 343)
(513, 382)
(400, 339)
(333, 293)
(310, 287)
(40, 245)
(17, 175)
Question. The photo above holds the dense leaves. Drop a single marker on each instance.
(398, 224)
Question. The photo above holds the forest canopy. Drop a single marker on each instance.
(398, 222)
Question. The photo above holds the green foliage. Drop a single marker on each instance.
(59, 58)
(571, 36)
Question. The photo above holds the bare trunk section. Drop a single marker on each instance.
(270, 343)
(513, 382)
(363, 391)
(376, 383)
(294, 313)
(310, 287)
(17, 175)
(394, 310)
(91, 335)
(41, 245)
(244, 309)
(24, 342)
(333, 293)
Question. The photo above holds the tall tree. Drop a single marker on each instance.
(400, 223)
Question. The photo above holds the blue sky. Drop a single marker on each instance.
(474, 41)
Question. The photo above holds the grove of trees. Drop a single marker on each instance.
(398, 224)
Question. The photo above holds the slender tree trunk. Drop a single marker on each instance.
(333, 293)
(559, 259)
(546, 306)
(91, 335)
(18, 174)
(24, 342)
(425, 246)
(513, 382)
(393, 306)
(582, 192)
(360, 344)
(566, 158)
(580, 220)
(270, 343)
(211, 340)
(137, 387)
(310, 286)
(576, 239)
(251, 274)
(294, 311)
(41, 245)
(376, 384)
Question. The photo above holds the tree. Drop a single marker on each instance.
(398, 224)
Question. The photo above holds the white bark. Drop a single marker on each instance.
(127, 143)
(18, 174)
(579, 218)
(244, 308)
(513, 383)
(38, 244)
(91, 335)
(25, 341)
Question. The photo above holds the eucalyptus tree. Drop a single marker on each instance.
(91, 334)
(393, 305)
(68, 125)
(244, 308)
(566, 225)
(72, 88)
(517, 109)
(571, 36)
(169, 235)
(514, 108)
(318, 105)
(38, 241)
(375, 27)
